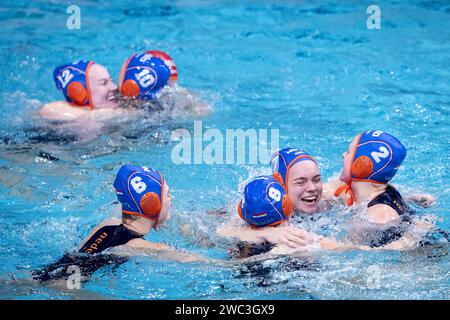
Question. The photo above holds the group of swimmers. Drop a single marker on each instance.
(268, 202)
(147, 91)
(371, 161)
(88, 88)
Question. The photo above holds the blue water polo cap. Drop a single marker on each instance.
(140, 191)
(264, 203)
(142, 76)
(73, 81)
(376, 157)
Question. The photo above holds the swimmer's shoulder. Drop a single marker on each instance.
(61, 110)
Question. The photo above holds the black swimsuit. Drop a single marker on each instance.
(262, 274)
(247, 249)
(393, 199)
(88, 261)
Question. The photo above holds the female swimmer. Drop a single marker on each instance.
(369, 164)
(86, 86)
(149, 80)
(146, 201)
(264, 203)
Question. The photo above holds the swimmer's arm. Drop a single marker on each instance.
(422, 199)
(316, 242)
(61, 110)
(234, 229)
(164, 251)
(404, 243)
(334, 245)
(280, 235)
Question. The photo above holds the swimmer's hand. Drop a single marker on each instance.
(422, 199)
(288, 236)
(313, 243)
(280, 235)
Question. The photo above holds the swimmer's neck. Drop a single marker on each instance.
(141, 226)
(367, 191)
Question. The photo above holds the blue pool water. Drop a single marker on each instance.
(311, 69)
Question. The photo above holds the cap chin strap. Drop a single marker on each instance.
(346, 189)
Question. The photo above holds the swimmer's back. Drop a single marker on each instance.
(108, 236)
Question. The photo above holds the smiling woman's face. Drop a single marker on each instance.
(103, 89)
(305, 186)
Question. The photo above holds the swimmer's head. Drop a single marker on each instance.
(373, 156)
(300, 175)
(170, 63)
(264, 203)
(142, 76)
(86, 84)
(143, 192)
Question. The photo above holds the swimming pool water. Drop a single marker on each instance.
(310, 69)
